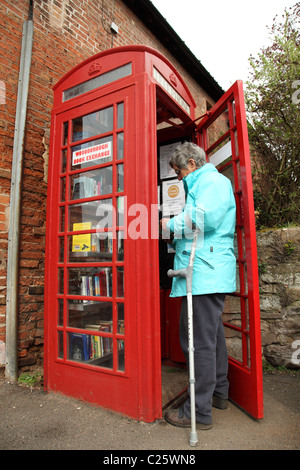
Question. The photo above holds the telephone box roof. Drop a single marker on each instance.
(152, 18)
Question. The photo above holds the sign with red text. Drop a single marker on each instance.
(92, 154)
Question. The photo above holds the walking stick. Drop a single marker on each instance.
(187, 273)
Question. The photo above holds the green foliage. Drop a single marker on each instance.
(269, 369)
(273, 106)
(289, 248)
(30, 379)
(262, 268)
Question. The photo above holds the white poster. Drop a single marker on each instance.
(221, 155)
(165, 153)
(173, 196)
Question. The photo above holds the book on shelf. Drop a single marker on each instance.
(107, 343)
(83, 288)
(80, 347)
(99, 284)
(91, 242)
(104, 282)
(102, 242)
(100, 346)
(95, 243)
(81, 242)
(84, 187)
(84, 347)
(103, 185)
(96, 348)
(121, 329)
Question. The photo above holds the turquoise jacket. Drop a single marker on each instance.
(210, 204)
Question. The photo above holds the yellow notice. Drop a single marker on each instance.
(82, 242)
(173, 191)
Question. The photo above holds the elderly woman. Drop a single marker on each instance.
(210, 205)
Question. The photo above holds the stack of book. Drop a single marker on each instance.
(100, 345)
(100, 284)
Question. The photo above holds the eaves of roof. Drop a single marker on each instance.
(152, 18)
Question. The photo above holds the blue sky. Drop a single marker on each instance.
(223, 34)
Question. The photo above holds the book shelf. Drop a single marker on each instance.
(91, 246)
(92, 183)
(95, 349)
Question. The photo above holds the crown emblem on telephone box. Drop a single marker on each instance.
(94, 68)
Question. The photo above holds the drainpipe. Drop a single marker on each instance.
(11, 347)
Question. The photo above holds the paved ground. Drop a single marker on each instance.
(35, 420)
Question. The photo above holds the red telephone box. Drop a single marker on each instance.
(106, 301)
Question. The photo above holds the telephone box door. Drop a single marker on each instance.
(90, 332)
(223, 135)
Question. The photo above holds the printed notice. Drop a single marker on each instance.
(165, 153)
(91, 154)
(173, 196)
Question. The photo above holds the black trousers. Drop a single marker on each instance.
(210, 356)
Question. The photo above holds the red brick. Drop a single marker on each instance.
(57, 47)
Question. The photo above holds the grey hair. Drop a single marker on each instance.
(184, 152)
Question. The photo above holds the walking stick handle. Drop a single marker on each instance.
(178, 273)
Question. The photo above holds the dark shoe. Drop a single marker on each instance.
(178, 418)
(218, 402)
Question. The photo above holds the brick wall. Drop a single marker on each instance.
(65, 33)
